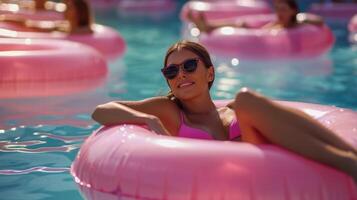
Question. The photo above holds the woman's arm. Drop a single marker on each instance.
(160, 114)
(307, 18)
(10, 18)
(34, 25)
(206, 26)
(44, 26)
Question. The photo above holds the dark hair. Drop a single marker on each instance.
(195, 48)
(40, 4)
(293, 5)
(83, 12)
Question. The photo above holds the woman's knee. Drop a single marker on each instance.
(246, 101)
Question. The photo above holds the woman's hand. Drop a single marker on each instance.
(155, 124)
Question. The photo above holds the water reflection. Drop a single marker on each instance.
(34, 169)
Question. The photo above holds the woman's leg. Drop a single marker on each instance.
(293, 130)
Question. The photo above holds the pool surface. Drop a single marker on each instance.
(40, 136)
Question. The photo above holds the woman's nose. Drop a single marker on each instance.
(181, 72)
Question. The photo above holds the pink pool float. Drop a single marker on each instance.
(352, 27)
(103, 5)
(131, 162)
(106, 40)
(305, 41)
(225, 9)
(146, 5)
(334, 10)
(39, 60)
(35, 89)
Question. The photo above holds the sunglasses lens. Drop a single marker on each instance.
(190, 65)
(170, 72)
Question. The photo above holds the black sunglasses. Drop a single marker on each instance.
(189, 66)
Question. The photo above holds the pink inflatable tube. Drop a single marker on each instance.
(301, 42)
(33, 89)
(352, 27)
(48, 60)
(105, 39)
(225, 9)
(335, 10)
(130, 162)
(146, 5)
(103, 4)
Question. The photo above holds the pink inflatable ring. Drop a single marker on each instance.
(103, 5)
(225, 9)
(352, 27)
(303, 41)
(130, 162)
(105, 39)
(48, 60)
(334, 10)
(146, 5)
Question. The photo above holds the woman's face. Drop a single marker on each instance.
(284, 12)
(188, 85)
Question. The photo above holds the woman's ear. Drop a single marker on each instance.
(211, 73)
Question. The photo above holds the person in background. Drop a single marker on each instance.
(287, 12)
(77, 19)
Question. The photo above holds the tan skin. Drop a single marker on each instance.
(258, 117)
(283, 12)
(36, 5)
(69, 25)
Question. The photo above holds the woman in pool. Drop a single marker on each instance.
(287, 12)
(188, 111)
(77, 19)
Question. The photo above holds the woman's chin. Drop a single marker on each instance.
(186, 96)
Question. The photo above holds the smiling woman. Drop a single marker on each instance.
(189, 110)
(129, 161)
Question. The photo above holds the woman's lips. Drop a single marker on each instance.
(185, 84)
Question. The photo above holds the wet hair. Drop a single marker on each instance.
(40, 4)
(195, 48)
(83, 12)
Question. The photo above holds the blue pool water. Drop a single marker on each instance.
(40, 136)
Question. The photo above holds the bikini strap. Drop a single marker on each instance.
(182, 122)
(234, 130)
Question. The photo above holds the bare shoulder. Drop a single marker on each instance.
(161, 107)
(160, 102)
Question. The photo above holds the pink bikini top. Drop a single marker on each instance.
(190, 132)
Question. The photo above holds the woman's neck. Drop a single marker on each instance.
(199, 105)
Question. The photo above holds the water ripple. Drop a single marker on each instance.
(34, 169)
(7, 146)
